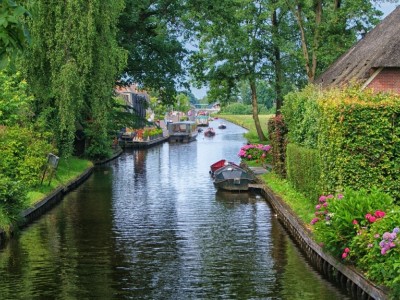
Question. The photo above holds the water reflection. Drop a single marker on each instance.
(150, 225)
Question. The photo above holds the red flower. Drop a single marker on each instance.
(355, 222)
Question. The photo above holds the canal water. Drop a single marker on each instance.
(150, 225)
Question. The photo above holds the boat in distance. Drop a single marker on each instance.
(209, 132)
(233, 178)
(184, 132)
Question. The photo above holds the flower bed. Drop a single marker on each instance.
(257, 153)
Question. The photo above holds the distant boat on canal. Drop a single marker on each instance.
(183, 132)
(233, 178)
(209, 132)
(222, 126)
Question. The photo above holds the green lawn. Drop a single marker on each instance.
(68, 169)
(246, 121)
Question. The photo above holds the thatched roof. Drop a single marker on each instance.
(379, 48)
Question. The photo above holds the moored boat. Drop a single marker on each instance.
(233, 178)
(219, 164)
(209, 132)
(184, 132)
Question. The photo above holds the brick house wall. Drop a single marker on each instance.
(387, 80)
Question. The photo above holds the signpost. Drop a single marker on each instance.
(52, 164)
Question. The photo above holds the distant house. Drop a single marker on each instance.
(134, 98)
(374, 61)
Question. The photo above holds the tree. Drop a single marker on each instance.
(13, 33)
(71, 65)
(149, 31)
(326, 29)
(235, 42)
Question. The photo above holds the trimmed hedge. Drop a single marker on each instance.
(359, 141)
(303, 170)
(356, 134)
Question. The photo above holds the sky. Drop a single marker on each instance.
(386, 8)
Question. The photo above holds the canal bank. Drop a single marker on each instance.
(347, 277)
(44, 205)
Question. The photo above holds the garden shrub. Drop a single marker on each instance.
(277, 132)
(303, 170)
(256, 152)
(24, 154)
(301, 112)
(13, 195)
(362, 228)
(338, 219)
(359, 141)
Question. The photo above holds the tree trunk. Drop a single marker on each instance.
(254, 104)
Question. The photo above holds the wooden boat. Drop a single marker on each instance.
(219, 164)
(222, 126)
(232, 178)
(209, 132)
(184, 132)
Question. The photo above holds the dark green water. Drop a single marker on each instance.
(150, 225)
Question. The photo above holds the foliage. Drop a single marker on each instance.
(71, 66)
(359, 141)
(255, 152)
(12, 200)
(303, 170)
(151, 131)
(339, 219)
(326, 29)
(301, 113)
(238, 108)
(149, 31)
(68, 169)
(24, 153)
(13, 33)
(362, 229)
(376, 251)
(298, 203)
(15, 101)
(277, 130)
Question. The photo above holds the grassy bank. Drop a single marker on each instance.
(68, 170)
(246, 121)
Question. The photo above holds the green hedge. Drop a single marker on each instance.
(359, 141)
(356, 134)
(303, 170)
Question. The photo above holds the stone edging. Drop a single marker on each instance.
(346, 276)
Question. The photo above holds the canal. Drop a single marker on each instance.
(150, 225)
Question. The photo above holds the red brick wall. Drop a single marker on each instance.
(387, 80)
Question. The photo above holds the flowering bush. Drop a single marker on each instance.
(255, 152)
(362, 229)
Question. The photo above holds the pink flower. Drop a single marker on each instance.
(372, 219)
(330, 196)
(376, 236)
(379, 214)
(325, 204)
(346, 250)
(370, 245)
(249, 156)
(344, 255)
(315, 220)
(355, 222)
(383, 251)
(322, 199)
(340, 196)
(318, 207)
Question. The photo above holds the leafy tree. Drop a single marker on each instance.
(149, 31)
(15, 101)
(71, 65)
(234, 46)
(13, 33)
(326, 29)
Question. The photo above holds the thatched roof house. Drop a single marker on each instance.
(374, 61)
